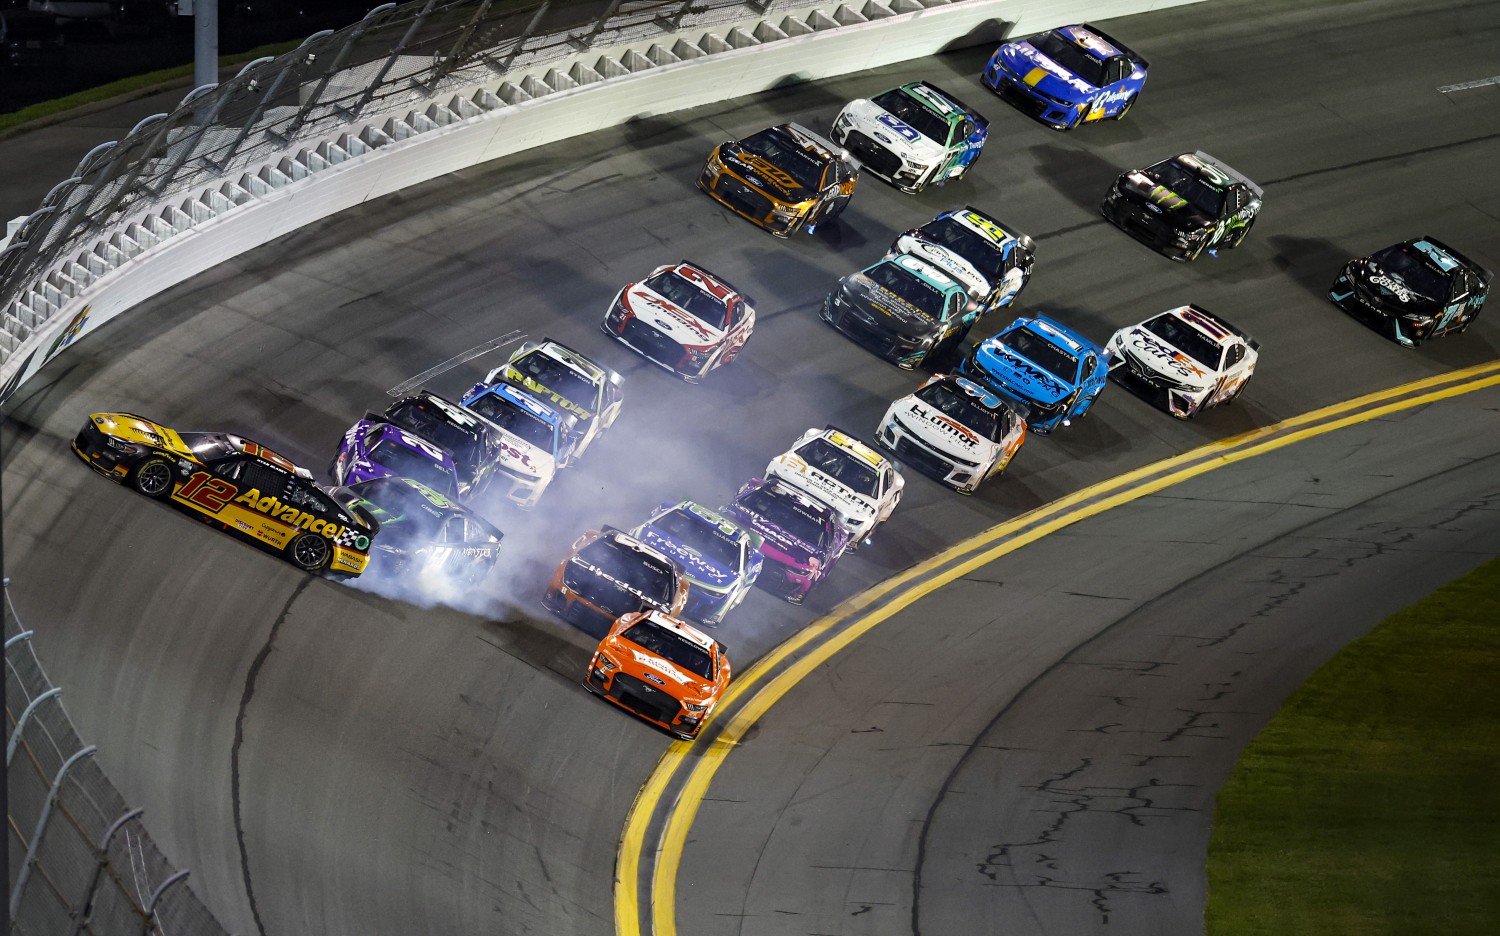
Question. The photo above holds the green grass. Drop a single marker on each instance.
(125, 87)
(1371, 803)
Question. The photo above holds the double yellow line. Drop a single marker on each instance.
(767, 681)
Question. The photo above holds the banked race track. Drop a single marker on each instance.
(334, 759)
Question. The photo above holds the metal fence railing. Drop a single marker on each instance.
(175, 170)
(81, 862)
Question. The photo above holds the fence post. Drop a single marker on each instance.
(156, 895)
(41, 827)
(379, 80)
(101, 854)
(15, 736)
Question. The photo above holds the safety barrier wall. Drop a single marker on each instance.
(80, 861)
(411, 93)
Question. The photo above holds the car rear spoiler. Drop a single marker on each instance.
(1484, 274)
(1134, 56)
(1254, 344)
(979, 118)
(1229, 171)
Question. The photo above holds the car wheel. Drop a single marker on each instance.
(153, 478)
(309, 551)
(1129, 103)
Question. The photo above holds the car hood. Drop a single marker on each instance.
(1040, 72)
(943, 432)
(127, 427)
(1389, 290)
(668, 318)
(885, 309)
(1019, 376)
(976, 283)
(700, 570)
(893, 133)
(642, 665)
(1140, 187)
(1151, 353)
(762, 174)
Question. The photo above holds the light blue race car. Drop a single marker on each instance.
(1055, 373)
(1068, 76)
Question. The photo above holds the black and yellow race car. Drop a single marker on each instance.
(233, 483)
(783, 179)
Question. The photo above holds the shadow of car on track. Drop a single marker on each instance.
(1313, 263)
(1079, 175)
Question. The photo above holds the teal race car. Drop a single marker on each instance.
(903, 308)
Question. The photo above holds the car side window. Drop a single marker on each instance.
(965, 129)
(372, 435)
(1236, 355)
(231, 467)
(1090, 364)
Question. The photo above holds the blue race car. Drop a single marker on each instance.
(1068, 76)
(721, 558)
(1054, 372)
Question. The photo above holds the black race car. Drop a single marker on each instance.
(232, 483)
(423, 533)
(474, 445)
(1413, 291)
(1184, 205)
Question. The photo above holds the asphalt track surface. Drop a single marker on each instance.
(333, 760)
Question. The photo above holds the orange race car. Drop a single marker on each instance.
(665, 671)
(783, 179)
(608, 573)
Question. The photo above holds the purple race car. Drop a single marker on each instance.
(803, 536)
(373, 448)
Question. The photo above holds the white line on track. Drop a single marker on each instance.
(1464, 86)
(401, 389)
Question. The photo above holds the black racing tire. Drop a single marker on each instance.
(1129, 103)
(153, 477)
(309, 551)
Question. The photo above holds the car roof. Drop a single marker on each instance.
(921, 269)
(1058, 333)
(850, 444)
(682, 629)
(815, 144)
(526, 401)
(711, 283)
(585, 367)
(452, 411)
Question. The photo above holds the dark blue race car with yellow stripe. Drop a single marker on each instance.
(1069, 76)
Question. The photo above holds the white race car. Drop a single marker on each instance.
(1187, 358)
(859, 483)
(912, 136)
(557, 375)
(992, 262)
(683, 318)
(954, 430)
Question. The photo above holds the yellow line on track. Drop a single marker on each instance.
(709, 758)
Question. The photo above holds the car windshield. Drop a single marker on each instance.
(783, 152)
(965, 409)
(557, 377)
(901, 281)
(426, 420)
(515, 420)
(651, 636)
(689, 296)
(1079, 61)
(700, 537)
(400, 460)
(914, 114)
(966, 242)
(1187, 184)
(1415, 269)
(1042, 353)
(844, 467)
(398, 505)
(789, 514)
(1187, 339)
(638, 570)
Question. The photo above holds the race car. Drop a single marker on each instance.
(912, 136)
(1413, 291)
(784, 179)
(562, 378)
(422, 533)
(473, 445)
(1186, 359)
(608, 573)
(855, 480)
(1053, 372)
(662, 669)
(534, 437)
(992, 262)
(903, 308)
(683, 318)
(374, 448)
(802, 537)
(1184, 205)
(954, 430)
(232, 483)
(720, 557)
(1067, 77)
